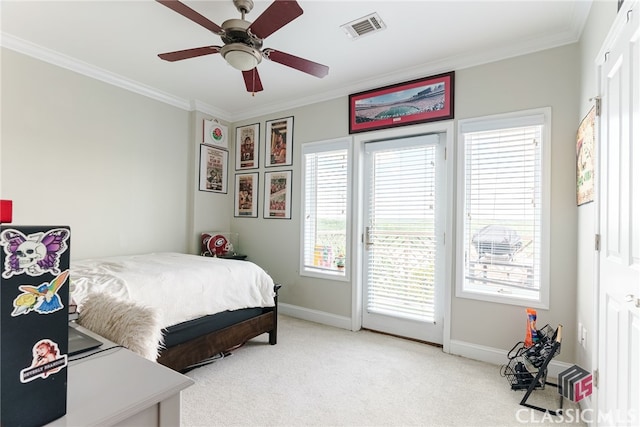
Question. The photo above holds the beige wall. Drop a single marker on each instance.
(542, 79)
(274, 244)
(210, 211)
(119, 168)
(123, 173)
(111, 164)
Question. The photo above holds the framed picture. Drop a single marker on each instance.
(213, 169)
(277, 194)
(585, 161)
(247, 143)
(417, 101)
(279, 142)
(246, 201)
(214, 133)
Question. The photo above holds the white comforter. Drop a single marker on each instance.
(182, 287)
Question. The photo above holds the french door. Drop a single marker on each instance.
(403, 261)
(619, 202)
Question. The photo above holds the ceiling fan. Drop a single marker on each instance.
(243, 39)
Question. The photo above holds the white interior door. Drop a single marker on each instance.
(619, 202)
(403, 271)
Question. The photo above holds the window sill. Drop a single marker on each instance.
(524, 301)
(340, 276)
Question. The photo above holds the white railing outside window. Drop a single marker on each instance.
(503, 227)
(326, 194)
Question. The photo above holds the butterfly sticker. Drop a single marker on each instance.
(34, 254)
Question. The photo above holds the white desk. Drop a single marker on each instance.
(119, 388)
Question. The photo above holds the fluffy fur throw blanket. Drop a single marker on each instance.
(128, 324)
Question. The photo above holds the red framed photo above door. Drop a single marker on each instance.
(418, 101)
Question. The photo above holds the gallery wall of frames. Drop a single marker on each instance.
(273, 149)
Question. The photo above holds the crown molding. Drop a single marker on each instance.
(52, 57)
(203, 107)
(458, 62)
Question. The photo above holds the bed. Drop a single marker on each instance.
(175, 308)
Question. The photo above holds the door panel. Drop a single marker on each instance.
(619, 201)
(403, 238)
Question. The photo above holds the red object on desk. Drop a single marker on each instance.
(6, 211)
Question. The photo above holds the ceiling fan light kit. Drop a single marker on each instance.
(240, 56)
(243, 39)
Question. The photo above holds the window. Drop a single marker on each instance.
(503, 228)
(326, 204)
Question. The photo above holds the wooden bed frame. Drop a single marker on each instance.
(182, 356)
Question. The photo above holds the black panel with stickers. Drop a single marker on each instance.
(34, 300)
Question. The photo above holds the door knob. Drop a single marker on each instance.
(367, 237)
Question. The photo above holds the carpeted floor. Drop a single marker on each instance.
(323, 376)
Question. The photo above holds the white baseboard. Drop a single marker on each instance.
(586, 406)
(315, 316)
(482, 353)
(497, 356)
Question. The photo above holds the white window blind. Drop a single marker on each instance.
(503, 210)
(401, 237)
(325, 206)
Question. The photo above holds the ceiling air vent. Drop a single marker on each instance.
(366, 25)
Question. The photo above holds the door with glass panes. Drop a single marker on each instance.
(403, 262)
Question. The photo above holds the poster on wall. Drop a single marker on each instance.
(246, 200)
(277, 195)
(247, 143)
(213, 169)
(279, 142)
(215, 134)
(585, 161)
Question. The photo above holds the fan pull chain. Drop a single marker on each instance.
(253, 75)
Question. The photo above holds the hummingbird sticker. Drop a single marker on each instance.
(43, 299)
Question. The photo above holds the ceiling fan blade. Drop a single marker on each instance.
(296, 62)
(277, 15)
(189, 53)
(191, 14)
(252, 80)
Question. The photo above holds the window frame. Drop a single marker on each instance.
(315, 148)
(538, 116)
